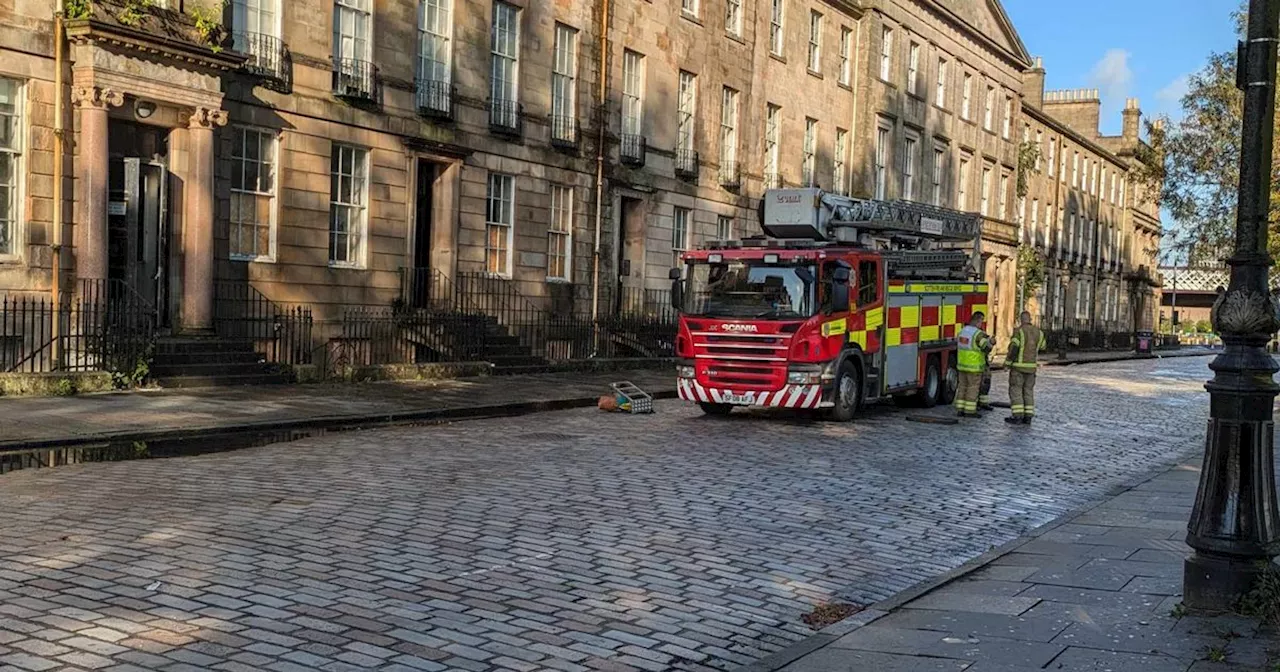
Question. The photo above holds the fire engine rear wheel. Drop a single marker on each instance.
(931, 392)
(951, 383)
(848, 393)
(716, 409)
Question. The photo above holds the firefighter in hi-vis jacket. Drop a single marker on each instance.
(974, 346)
(1024, 352)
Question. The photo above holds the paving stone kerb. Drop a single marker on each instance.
(572, 540)
(1095, 591)
(175, 415)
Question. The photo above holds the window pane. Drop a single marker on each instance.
(9, 104)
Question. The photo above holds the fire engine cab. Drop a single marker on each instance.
(844, 301)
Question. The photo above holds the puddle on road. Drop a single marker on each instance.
(120, 451)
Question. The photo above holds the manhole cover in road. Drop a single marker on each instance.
(548, 437)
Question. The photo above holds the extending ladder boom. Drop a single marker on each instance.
(816, 215)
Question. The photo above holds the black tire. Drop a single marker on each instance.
(716, 409)
(951, 383)
(931, 391)
(848, 393)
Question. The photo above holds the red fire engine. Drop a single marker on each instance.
(843, 302)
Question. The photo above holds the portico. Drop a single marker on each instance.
(146, 113)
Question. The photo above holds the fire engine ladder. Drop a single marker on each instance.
(853, 215)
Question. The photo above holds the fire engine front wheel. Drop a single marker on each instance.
(716, 409)
(848, 393)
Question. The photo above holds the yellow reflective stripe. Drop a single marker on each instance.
(930, 334)
(859, 337)
(949, 314)
(893, 336)
(835, 327)
(875, 318)
(909, 316)
(897, 289)
(980, 308)
(938, 288)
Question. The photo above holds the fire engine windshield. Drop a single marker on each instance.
(746, 289)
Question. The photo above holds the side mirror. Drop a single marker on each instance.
(840, 290)
(677, 289)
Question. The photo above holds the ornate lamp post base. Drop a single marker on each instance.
(1215, 583)
(1235, 525)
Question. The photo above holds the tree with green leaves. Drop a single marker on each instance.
(1031, 275)
(1194, 163)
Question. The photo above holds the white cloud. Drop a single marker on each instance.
(1111, 75)
(1169, 99)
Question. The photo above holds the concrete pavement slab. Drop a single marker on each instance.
(964, 623)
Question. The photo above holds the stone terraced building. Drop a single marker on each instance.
(360, 154)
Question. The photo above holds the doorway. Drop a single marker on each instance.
(631, 275)
(138, 223)
(419, 277)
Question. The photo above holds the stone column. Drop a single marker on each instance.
(92, 180)
(199, 211)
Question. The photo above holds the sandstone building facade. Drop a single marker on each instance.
(334, 152)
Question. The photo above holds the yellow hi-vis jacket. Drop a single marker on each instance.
(973, 346)
(1025, 348)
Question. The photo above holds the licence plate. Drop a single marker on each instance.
(731, 398)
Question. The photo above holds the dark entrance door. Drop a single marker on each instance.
(419, 276)
(138, 240)
(138, 217)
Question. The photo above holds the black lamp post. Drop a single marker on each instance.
(1234, 526)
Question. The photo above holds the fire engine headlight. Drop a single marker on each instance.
(804, 377)
(685, 372)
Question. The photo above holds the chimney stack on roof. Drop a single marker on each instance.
(1033, 84)
(1132, 120)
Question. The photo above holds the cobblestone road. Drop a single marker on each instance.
(566, 540)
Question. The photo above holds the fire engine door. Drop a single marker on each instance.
(902, 341)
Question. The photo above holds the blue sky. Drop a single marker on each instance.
(1124, 48)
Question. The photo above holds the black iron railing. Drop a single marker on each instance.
(281, 334)
(772, 181)
(435, 98)
(26, 334)
(564, 132)
(480, 317)
(687, 163)
(1113, 337)
(268, 57)
(730, 174)
(381, 336)
(355, 79)
(505, 117)
(104, 327)
(633, 149)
